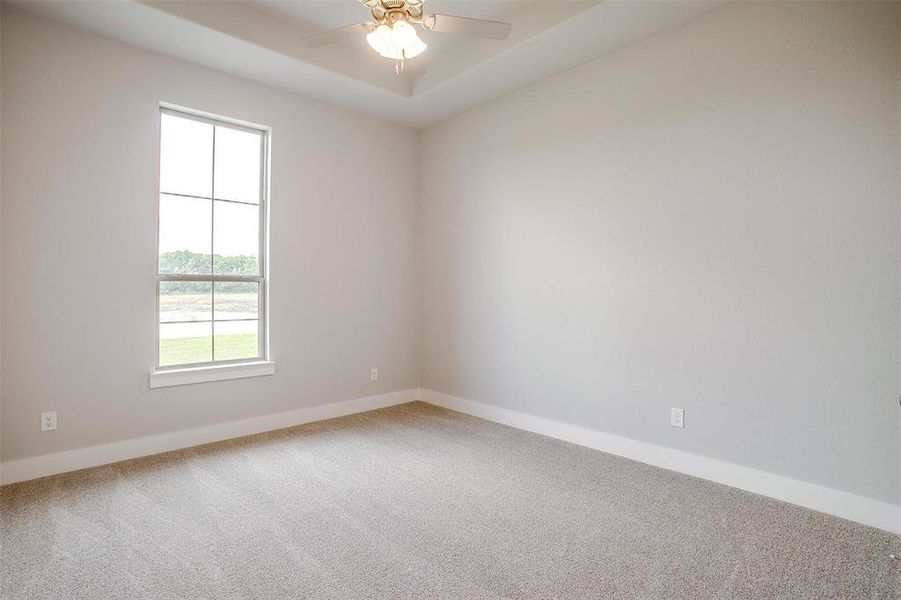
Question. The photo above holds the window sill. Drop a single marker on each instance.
(167, 378)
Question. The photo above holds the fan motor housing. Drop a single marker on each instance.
(391, 11)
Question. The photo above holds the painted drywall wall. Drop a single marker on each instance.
(1, 227)
(705, 220)
(897, 443)
(80, 136)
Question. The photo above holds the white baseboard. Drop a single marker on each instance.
(827, 500)
(71, 460)
(870, 512)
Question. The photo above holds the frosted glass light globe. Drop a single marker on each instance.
(379, 39)
(403, 35)
(416, 49)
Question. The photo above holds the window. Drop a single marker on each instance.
(211, 275)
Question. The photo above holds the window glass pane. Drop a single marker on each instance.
(237, 300)
(186, 301)
(236, 239)
(199, 235)
(238, 165)
(186, 156)
(185, 343)
(237, 339)
(185, 235)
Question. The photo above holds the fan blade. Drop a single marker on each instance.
(493, 30)
(335, 35)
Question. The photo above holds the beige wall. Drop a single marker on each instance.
(705, 220)
(79, 146)
(710, 219)
(1, 231)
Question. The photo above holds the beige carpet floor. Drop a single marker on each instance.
(416, 501)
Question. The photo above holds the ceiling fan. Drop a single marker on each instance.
(392, 30)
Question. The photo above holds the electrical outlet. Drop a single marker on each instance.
(373, 374)
(677, 417)
(48, 421)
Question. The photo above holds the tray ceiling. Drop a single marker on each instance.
(258, 39)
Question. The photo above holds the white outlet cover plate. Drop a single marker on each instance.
(48, 421)
(677, 417)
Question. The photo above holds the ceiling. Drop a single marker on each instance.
(258, 39)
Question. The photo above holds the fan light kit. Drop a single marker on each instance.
(392, 30)
(398, 41)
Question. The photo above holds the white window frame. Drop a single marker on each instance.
(163, 376)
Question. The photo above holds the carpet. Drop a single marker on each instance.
(418, 501)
